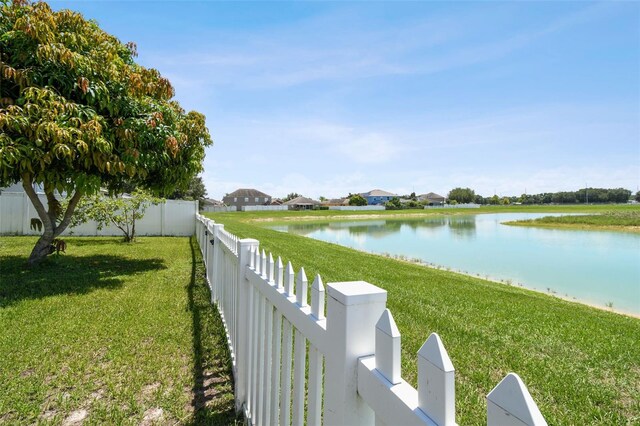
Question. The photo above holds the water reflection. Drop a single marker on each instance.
(462, 226)
(597, 267)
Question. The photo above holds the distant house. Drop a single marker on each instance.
(211, 202)
(432, 199)
(377, 197)
(302, 203)
(246, 197)
(335, 202)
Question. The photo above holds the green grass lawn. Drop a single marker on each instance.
(325, 215)
(113, 333)
(582, 365)
(619, 220)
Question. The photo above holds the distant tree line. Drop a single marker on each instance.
(582, 196)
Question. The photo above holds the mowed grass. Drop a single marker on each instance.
(581, 365)
(274, 217)
(111, 333)
(622, 220)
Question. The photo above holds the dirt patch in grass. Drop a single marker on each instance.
(153, 416)
(149, 390)
(76, 417)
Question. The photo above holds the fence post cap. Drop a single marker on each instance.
(387, 325)
(512, 396)
(434, 352)
(356, 292)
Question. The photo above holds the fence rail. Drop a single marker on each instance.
(276, 324)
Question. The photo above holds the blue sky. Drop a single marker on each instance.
(327, 98)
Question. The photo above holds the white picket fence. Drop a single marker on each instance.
(353, 352)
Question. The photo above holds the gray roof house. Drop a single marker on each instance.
(302, 203)
(432, 198)
(246, 197)
(336, 202)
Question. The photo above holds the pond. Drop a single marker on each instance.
(594, 267)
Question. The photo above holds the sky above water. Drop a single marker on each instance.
(328, 98)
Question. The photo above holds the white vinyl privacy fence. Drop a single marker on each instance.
(170, 218)
(329, 355)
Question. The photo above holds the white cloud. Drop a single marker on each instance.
(370, 148)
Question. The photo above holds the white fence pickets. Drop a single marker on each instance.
(297, 362)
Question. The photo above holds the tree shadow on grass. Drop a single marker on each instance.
(66, 275)
(213, 400)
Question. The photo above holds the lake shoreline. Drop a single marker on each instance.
(574, 227)
(503, 282)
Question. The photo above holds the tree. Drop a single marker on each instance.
(77, 114)
(637, 197)
(195, 191)
(322, 199)
(357, 200)
(291, 196)
(119, 211)
(462, 195)
(393, 204)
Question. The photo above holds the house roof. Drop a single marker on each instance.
(378, 193)
(302, 201)
(247, 192)
(212, 202)
(431, 196)
(336, 201)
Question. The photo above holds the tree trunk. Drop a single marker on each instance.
(49, 218)
(41, 250)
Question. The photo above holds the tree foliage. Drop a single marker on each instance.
(122, 212)
(393, 204)
(357, 200)
(462, 195)
(290, 197)
(590, 195)
(195, 191)
(77, 114)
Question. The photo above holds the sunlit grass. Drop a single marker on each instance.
(582, 365)
(110, 332)
(621, 220)
(324, 215)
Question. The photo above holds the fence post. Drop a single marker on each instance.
(216, 266)
(242, 361)
(436, 382)
(353, 309)
(163, 213)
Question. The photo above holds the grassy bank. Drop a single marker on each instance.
(611, 220)
(111, 333)
(581, 365)
(325, 215)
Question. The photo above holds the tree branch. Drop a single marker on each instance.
(68, 213)
(37, 204)
(53, 204)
